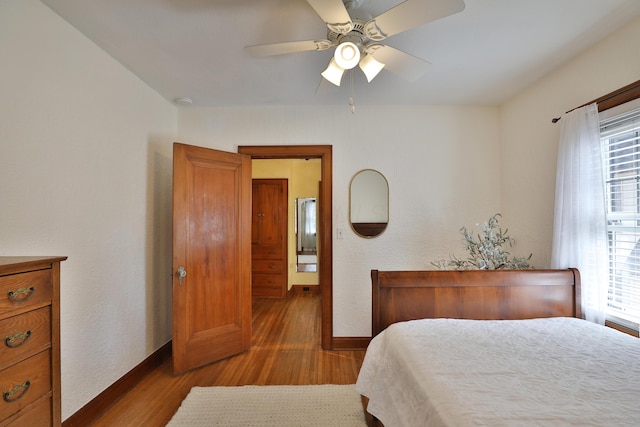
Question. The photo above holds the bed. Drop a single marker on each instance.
(494, 348)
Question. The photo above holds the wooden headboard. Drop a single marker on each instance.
(473, 294)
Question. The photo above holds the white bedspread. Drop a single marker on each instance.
(556, 371)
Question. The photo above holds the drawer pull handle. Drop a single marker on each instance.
(22, 294)
(18, 339)
(19, 390)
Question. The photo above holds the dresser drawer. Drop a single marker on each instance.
(25, 290)
(24, 383)
(266, 266)
(268, 285)
(24, 335)
(38, 415)
(266, 252)
(274, 281)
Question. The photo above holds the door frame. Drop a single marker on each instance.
(325, 252)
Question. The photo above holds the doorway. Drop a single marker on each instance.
(325, 224)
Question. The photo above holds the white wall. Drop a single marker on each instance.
(530, 141)
(442, 164)
(85, 171)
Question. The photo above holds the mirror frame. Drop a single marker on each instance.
(306, 260)
(372, 229)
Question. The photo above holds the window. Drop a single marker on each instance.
(620, 137)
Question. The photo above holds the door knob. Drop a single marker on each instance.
(181, 273)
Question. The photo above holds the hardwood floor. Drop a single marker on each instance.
(286, 350)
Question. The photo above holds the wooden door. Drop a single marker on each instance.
(212, 245)
(269, 257)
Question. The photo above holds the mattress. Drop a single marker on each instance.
(451, 372)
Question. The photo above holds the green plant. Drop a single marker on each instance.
(487, 252)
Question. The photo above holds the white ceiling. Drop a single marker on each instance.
(481, 56)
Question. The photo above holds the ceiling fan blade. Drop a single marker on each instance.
(334, 14)
(410, 14)
(288, 47)
(401, 63)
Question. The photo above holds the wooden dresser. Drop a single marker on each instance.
(30, 348)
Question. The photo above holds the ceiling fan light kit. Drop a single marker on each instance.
(370, 67)
(347, 55)
(333, 73)
(356, 36)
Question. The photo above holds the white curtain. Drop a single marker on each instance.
(579, 228)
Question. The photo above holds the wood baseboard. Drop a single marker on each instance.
(350, 343)
(92, 410)
(622, 328)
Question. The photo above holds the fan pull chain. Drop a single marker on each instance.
(351, 103)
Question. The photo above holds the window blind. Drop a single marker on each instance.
(620, 137)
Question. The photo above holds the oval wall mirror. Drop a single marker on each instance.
(369, 203)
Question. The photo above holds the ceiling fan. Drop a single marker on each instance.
(356, 37)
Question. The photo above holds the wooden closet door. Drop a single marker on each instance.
(269, 237)
(268, 205)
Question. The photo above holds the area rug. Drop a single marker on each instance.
(248, 406)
